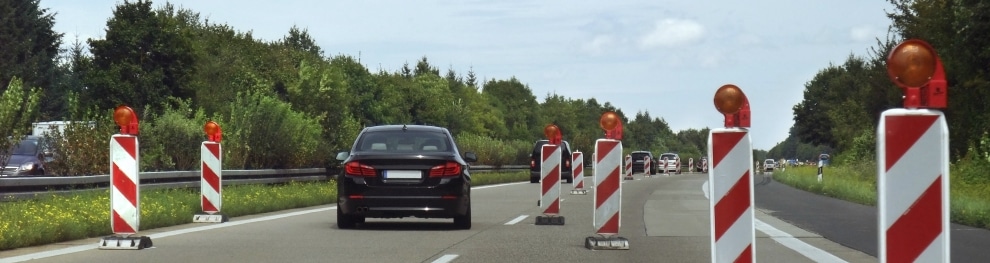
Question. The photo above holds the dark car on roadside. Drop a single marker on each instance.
(638, 159)
(27, 157)
(536, 161)
(396, 171)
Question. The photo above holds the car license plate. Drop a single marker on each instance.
(403, 174)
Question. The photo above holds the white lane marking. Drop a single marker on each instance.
(789, 241)
(812, 252)
(445, 258)
(704, 188)
(516, 220)
(497, 185)
(81, 248)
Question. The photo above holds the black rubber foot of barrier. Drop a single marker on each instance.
(550, 220)
(606, 243)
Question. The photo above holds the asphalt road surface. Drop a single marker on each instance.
(665, 219)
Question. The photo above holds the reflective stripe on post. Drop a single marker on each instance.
(577, 165)
(913, 186)
(608, 187)
(629, 165)
(211, 177)
(646, 165)
(125, 194)
(731, 204)
(550, 183)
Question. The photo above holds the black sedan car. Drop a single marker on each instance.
(28, 157)
(536, 162)
(396, 171)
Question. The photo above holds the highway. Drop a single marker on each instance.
(665, 219)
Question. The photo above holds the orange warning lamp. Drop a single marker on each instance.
(553, 134)
(126, 119)
(733, 104)
(213, 132)
(915, 67)
(612, 125)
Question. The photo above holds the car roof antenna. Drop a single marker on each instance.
(404, 127)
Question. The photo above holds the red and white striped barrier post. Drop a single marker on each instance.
(608, 188)
(550, 183)
(125, 185)
(666, 166)
(646, 165)
(691, 167)
(913, 160)
(577, 170)
(629, 173)
(733, 236)
(210, 179)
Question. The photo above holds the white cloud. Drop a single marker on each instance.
(673, 33)
(599, 44)
(862, 33)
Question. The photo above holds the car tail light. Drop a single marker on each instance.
(567, 163)
(532, 163)
(359, 169)
(445, 170)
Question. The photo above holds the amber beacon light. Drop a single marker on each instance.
(552, 132)
(733, 104)
(213, 132)
(125, 117)
(915, 67)
(612, 125)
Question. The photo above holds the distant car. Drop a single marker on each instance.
(28, 157)
(672, 164)
(396, 171)
(638, 157)
(536, 161)
(769, 165)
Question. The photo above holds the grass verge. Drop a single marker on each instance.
(969, 201)
(57, 218)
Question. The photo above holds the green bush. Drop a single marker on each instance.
(263, 132)
(495, 152)
(171, 140)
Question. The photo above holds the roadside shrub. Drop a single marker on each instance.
(495, 152)
(83, 148)
(171, 140)
(263, 132)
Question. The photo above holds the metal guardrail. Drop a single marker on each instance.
(17, 188)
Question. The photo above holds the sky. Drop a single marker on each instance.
(661, 57)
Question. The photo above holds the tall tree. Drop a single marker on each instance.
(145, 59)
(30, 46)
(516, 101)
(300, 39)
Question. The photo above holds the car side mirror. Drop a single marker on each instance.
(343, 156)
(470, 157)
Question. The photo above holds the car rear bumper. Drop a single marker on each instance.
(404, 206)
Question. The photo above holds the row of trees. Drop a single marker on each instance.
(842, 103)
(282, 103)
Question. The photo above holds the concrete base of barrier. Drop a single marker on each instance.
(629, 177)
(125, 243)
(550, 220)
(606, 243)
(209, 218)
(579, 192)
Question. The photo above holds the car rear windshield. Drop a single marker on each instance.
(539, 147)
(403, 141)
(639, 156)
(668, 156)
